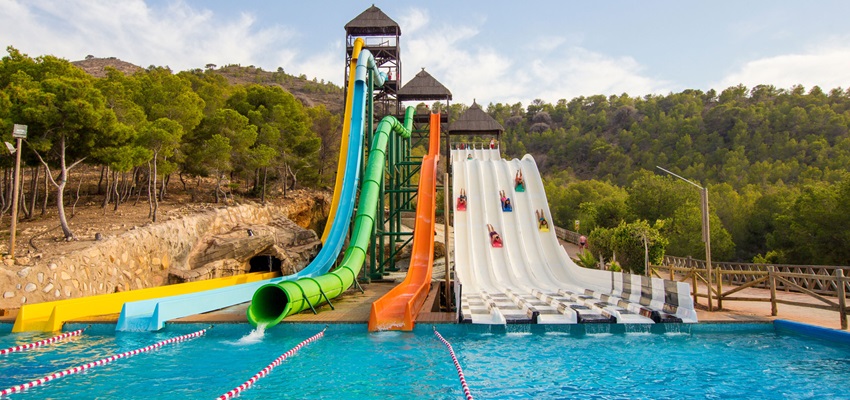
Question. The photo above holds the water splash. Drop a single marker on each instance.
(597, 329)
(255, 336)
(638, 329)
(518, 329)
(676, 329)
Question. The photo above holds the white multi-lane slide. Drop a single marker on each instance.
(531, 279)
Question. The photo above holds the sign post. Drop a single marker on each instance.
(19, 133)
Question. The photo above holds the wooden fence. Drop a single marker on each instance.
(827, 284)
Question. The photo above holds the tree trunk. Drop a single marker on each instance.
(106, 196)
(3, 191)
(60, 203)
(115, 190)
(150, 198)
(100, 181)
(217, 187)
(22, 204)
(46, 192)
(34, 190)
(76, 196)
(265, 179)
(155, 198)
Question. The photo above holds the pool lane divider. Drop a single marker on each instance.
(40, 343)
(466, 392)
(104, 361)
(268, 369)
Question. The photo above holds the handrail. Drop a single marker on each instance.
(772, 278)
(810, 277)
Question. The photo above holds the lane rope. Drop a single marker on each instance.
(104, 361)
(268, 369)
(457, 365)
(41, 342)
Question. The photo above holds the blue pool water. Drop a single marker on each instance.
(668, 362)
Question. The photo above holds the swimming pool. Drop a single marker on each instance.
(522, 361)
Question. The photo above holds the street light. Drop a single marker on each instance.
(706, 235)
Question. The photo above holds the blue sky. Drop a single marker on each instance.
(492, 51)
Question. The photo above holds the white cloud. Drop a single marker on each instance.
(178, 35)
(414, 20)
(825, 66)
(551, 68)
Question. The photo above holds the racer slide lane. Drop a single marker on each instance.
(397, 310)
(532, 273)
(151, 314)
(273, 302)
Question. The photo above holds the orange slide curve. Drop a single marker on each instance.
(397, 310)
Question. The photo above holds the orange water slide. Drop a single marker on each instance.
(397, 310)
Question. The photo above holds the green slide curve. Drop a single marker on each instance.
(274, 302)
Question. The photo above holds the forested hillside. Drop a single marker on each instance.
(235, 126)
(775, 162)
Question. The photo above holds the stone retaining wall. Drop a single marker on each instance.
(136, 259)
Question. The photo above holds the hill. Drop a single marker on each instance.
(309, 92)
(97, 66)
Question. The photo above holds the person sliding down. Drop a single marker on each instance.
(495, 239)
(542, 224)
(506, 202)
(461, 201)
(520, 183)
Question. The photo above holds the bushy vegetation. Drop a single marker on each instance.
(145, 128)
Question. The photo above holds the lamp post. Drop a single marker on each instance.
(706, 236)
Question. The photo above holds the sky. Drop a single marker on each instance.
(489, 51)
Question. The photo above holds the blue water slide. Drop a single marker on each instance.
(150, 315)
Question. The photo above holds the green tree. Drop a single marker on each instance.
(161, 137)
(328, 127)
(66, 114)
(632, 243)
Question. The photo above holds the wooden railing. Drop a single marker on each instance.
(815, 278)
(567, 235)
(827, 284)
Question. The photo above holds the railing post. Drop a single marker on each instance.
(694, 279)
(719, 288)
(842, 302)
(771, 280)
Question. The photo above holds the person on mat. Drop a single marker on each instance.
(461, 201)
(520, 183)
(469, 156)
(495, 239)
(542, 224)
(506, 202)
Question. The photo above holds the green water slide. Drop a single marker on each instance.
(274, 302)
